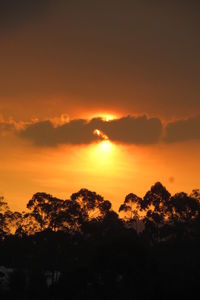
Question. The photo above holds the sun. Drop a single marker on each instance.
(102, 154)
(104, 116)
(107, 117)
(100, 134)
(105, 146)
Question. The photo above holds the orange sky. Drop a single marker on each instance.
(62, 61)
(112, 170)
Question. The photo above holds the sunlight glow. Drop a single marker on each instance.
(100, 134)
(105, 146)
(107, 117)
(104, 116)
(102, 155)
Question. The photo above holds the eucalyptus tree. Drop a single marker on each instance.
(56, 214)
(4, 218)
(131, 209)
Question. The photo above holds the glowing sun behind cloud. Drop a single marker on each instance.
(100, 134)
(105, 145)
(108, 117)
(104, 116)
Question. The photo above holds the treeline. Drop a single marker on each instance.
(148, 250)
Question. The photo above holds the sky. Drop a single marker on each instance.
(129, 69)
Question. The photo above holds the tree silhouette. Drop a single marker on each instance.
(131, 209)
(44, 208)
(90, 206)
(91, 253)
(155, 204)
(56, 214)
(4, 218)
(184, 208)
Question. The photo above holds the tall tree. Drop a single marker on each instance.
(57, 214)
(131, 210)
(156, 207)
(4, 218)
(44, 209)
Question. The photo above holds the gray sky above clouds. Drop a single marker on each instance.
(131, 56)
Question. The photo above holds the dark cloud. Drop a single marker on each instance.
(139, 130)
(129, 130)
(45, 134)
(132, 130)
(183, 130)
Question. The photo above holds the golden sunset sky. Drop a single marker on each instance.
(127, 68)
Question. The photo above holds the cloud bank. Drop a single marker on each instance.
(183, 130)
(128, 130)
(137, 130)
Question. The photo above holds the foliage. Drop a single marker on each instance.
(90, 252)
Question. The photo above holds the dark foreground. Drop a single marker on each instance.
(103, 256)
